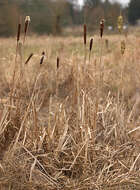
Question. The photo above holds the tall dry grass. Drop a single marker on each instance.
(63, 125)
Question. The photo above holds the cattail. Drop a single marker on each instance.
(18, 32)
(85, 34)
(27, 21)
(90, 47)
(120, 23)
(123, 47)
(30, 56)
(58, 62)
(85, 41)
(42, 58)
(91, 43)
(101, 27)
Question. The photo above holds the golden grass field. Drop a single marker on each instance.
(72, 126)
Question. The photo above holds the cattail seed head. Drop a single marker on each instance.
(101, 27)
(30, 56)
(27, 21)
(18, 32)
(91, 43)
(42, 58)
(123, 47)
(58, 62)
(85, 34)
(120, 23)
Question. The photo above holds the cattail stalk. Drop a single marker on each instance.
(42, 58)
(26, 26)
(57, 73)
(101, 35)
(101, 27)
(85, 39)
(15, 66)
(18, 32)
(18, 37)
(90, 48)
(30, 56)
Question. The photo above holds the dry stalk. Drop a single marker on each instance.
(85, 42)
(101, 67)
(26, 114)
(26, 26)
(57, 74)
(15, 66)
(48, 177)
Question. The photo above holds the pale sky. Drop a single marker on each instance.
(124, 2)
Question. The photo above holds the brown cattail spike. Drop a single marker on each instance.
(91, 43)
(58, 62)
(30, 56)
(101, 27)
(85, 34)
(42, 58)
(18, 32)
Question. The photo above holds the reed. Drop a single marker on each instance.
(57, 74)
(26, 26)
(90, 48)
(101, 49)
(85, 41)
(101, 27)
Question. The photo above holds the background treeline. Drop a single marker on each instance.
(50, 16)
